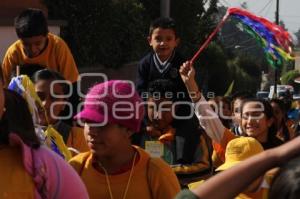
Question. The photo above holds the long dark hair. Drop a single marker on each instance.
(282, 106)
(17, 119)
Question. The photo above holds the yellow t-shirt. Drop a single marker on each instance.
(57, 56)
(15, 181)
(154, 179)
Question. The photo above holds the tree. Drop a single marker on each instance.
(297, 34)
(107, 32)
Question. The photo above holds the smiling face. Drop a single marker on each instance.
(254, 122)
(105, 141)
(163, 41)
(33, 46)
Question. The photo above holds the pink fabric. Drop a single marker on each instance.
(53, 177)
(114, 102)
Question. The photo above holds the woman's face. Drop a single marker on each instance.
(1, 100)
(254, 122)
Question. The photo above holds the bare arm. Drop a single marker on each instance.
(226, 182)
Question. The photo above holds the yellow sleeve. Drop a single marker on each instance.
(9, 62)
(79, 161)
(77, 140)
(162, 180)
(66, 63)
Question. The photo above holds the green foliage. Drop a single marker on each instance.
(297, 34)
(107, 32)
(212, 69)
(245, 73)
(113, 32)
(193, 21)
(288, 77)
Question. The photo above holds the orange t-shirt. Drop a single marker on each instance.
(219, 148)
(15, 181)
(151, 178)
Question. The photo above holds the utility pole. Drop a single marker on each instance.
(165, 8)
(276, 68)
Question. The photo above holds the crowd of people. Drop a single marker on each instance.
(159, 139)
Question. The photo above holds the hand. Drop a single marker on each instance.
(187, 72)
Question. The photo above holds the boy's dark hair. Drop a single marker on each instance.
(31, 22)
(162, 88)
(50, 75)
(163, 22)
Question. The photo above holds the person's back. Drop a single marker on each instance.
(36, 46)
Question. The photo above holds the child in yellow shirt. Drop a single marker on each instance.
(54, 102)
(36, 46)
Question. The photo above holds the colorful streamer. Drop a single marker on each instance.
(273, 38)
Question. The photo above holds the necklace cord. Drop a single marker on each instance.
(129, 179)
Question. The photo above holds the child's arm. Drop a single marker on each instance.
(226, 182)
(9, 62)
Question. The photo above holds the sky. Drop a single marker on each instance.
(289, 10)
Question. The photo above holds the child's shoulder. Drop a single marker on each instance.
(147, 57)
